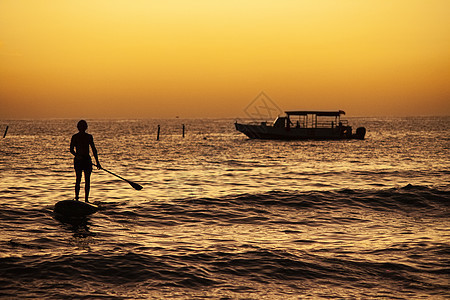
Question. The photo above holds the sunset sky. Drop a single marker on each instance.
(207, 58)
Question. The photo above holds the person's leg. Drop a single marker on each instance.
(87, 184)
(77, 184)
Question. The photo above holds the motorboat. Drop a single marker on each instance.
(303, 125)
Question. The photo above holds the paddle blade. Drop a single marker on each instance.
(135, 185)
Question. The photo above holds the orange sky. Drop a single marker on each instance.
(207, 58)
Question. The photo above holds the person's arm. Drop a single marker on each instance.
(72, 147)
(94, 151)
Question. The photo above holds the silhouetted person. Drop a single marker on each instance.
(79, 147)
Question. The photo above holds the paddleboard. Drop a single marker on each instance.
(73, 208)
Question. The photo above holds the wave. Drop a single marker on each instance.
(137, 249)
(406, 199)
(286, 208)
(255, 208)
(227, 269)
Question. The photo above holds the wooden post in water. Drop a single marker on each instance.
(6, 130)
(183, 129)
(157, 136)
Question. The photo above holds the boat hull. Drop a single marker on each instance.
(273, 133)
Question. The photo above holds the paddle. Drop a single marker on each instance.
(133, 184)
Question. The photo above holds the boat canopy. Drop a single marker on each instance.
(316, 112)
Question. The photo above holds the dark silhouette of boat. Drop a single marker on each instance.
(303, 125)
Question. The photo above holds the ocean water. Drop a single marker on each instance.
(224, 217)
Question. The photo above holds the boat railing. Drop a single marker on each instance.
(302, 124)
(254, 122)
(319, 124)
(331, 124)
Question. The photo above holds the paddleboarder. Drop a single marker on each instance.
(79, 147)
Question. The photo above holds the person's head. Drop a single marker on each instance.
(82, 125)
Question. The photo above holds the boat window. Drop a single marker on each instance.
(280, 122)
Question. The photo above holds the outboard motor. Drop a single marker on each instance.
(360, 133)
